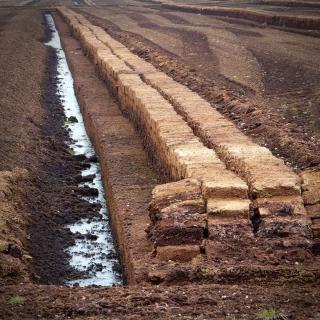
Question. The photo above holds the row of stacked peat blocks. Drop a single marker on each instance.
(223, 186)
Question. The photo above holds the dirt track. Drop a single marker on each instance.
(173, 42)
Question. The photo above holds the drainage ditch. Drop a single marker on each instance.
(93, 253)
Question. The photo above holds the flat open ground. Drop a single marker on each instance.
(262, 77)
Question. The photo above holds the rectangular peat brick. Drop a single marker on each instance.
(232, 207)
(169, 193)
(181, 253)
(222, 229)
(224, 184)
(176, 212)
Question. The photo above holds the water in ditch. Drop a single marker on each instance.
(96, 255)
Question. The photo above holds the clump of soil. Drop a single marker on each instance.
(13, 256)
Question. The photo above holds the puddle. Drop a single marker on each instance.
(95, 255)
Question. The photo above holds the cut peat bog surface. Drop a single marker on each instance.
(155, 163)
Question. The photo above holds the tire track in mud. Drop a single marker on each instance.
(174, 18)
(5, 16)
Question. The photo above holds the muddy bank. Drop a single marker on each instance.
(21, 115)
(53, 198)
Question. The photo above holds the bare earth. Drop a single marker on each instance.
(235, 64)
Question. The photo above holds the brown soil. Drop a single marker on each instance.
(20, 114)
(44, 189)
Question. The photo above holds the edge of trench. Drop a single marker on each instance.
(132, 272)
(93, 252)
